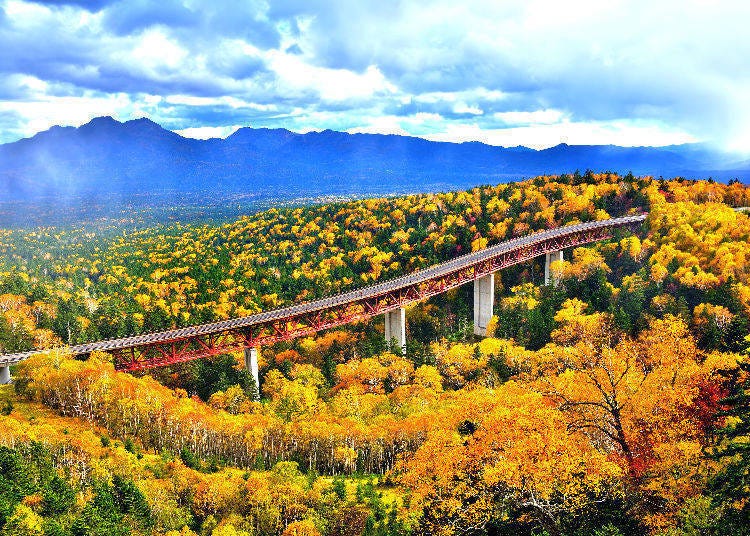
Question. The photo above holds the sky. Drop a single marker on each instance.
(534, 73)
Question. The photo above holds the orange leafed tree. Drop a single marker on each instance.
(520, 454)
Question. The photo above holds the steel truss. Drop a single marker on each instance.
(178, 350)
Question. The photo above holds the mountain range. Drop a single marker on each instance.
(106, 157)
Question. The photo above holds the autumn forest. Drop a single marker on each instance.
(615, 402)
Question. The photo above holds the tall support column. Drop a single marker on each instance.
(4, 374)
(251, 364)
(395, 328)
(484, 302)
(551, 257)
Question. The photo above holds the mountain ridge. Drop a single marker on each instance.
(139, 156)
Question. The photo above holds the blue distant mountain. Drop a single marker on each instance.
(107, 157)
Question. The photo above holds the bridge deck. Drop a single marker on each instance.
(374, 290)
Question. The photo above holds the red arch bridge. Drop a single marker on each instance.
(388, 298)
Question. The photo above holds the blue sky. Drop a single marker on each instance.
(531, 72)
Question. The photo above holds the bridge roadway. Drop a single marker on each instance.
(378, 298)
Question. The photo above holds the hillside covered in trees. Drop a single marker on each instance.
(613, 403)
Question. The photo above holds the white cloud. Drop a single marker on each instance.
(381, 125)
(232, 102)
(463, 108)
(470, 94)
(24, 12)
(38, 115)
(678, 63)
(538, 136)
(30, 84)
(295, 75)
(612, 71)
(621, 133)
(544, 117)
(204, 133)
(156, 51)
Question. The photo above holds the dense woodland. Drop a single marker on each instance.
(614, 403)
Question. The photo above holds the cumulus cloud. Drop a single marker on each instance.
(533, 72)
(204, 133)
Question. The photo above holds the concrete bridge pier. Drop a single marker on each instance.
(4, 374)
(251, 364)
(549, 277)
(484, 302)
(395, 328)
